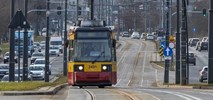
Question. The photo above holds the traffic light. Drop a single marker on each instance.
(79, 10)
(204, 12)
(59, 10)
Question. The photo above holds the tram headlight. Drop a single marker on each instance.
(80, 67)
(106, 68)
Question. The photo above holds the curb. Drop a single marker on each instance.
(203, 87)
(51, 91)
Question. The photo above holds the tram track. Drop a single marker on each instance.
(133, 78)
(125, 94)
(90, 94)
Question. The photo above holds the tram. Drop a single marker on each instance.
(92, 55)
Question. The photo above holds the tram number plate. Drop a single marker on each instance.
(92, 67)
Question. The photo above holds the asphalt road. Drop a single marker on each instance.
(137, 79)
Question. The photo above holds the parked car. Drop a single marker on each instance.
(202, 46)
(192, 58)
(7, 57)
(36, 55)
(125, 34)
(203, 73)
(41, 62)
(135, 35)
(4, 69)
(150, 37)
(36, 72)
(193, 42)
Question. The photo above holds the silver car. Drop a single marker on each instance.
(203, 73)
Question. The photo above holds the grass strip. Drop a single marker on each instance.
(29, 85)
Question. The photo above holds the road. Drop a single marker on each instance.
(137, 79)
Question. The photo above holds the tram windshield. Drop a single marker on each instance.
(93, 50)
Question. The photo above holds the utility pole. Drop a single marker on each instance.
(46, 79)
(177, 70)
(183, 80)
(145, 16)
(210, 62)
(65, 39)
(25, 53)
(166, 70)
(12, 48)
(77, 5)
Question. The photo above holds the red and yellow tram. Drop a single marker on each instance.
(92, 55)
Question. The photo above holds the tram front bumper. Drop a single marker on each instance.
(93, 78)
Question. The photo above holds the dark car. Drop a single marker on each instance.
(194, 41)
(203, 46)
(192, 58)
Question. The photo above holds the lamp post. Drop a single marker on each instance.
(47, 44)
(177, 71)
(12, 47)
(210, 62)
(65, 39)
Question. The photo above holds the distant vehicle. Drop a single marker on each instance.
(6, 78)
(54, 50)
(205, 39)
(135, 35)
(44, 31)
(193, 42)
(42, 44)
(143, 36)
(21, 40)
(41, 62)
(125, 34)
(192, 58)
(36, 72)
(7, 57)
(57, 42)
(35, 56)
(203, 73)
(202, 46)
(4, 69)
(150, 37)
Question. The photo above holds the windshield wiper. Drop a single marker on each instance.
(98, 57)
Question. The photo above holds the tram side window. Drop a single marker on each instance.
(71, 50)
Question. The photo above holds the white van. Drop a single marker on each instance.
(58, 42)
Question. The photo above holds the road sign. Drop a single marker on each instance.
(167, 51)
(171, 38)
(161, 51)
(19, 21)
(171, 45)
(163, 44)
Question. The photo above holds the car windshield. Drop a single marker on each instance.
(6, 78)
(4, 67)
(39, 62)
(191, 55)
(36, 68)
(7, 54)
(37, 54)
